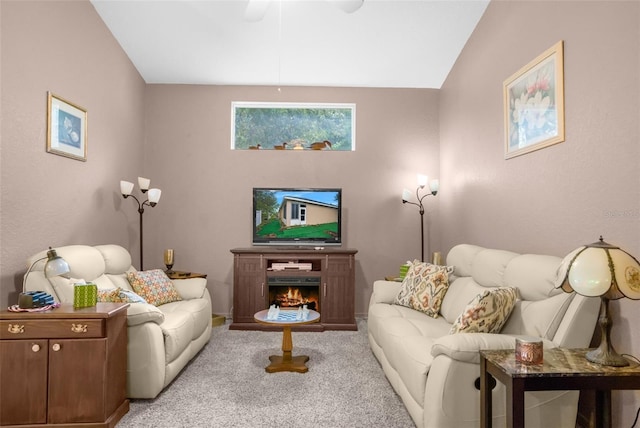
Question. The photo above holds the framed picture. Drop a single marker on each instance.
(66, 128)
(293, 126)
(534, 104)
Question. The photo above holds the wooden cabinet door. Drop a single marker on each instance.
(23, 371)
(249, 287)
(338, 294)
(77, 380)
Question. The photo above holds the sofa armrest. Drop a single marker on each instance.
(385, 291)
(466, 346)
(140, 313)
(190, 288)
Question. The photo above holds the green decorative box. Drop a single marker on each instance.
(403, 270)
(85, 295)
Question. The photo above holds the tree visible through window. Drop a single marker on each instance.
(287, 126)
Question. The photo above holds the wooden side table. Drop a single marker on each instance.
(562, 369)
(181, 274)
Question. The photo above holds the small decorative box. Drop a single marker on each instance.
(529, 351)
(403, 270)
(85, 295)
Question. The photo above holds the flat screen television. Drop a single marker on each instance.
(297, 216)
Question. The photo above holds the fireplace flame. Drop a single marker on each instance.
(293, 297)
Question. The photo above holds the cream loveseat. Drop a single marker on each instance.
(162, 339)
(436, 373)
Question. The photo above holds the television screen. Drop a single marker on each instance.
(295, 216)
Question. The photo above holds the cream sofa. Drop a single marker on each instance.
(436, 373)
(162, 339)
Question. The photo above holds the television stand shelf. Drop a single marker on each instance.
(253, 276)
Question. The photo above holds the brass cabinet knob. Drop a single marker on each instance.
(56, 347)
(35, 347)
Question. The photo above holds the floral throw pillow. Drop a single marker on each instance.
(416, 271)
(111, 295)
(430, 291)
(118, 295)
(154, 286)
(487, 312)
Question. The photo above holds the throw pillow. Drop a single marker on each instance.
(419, 280)
(487, 312)
(406, 288)
(130, 297)
(118, 295)
(429, 292)
(111, 295)
(154, 286)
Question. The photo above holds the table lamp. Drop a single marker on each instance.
(55, 266)
(604, 270)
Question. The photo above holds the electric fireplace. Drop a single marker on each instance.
(293, 292)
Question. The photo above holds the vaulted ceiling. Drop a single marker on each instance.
(384, 43)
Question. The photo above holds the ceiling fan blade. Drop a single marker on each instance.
(348, 6)
(256, 9)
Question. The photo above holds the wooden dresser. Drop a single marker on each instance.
(64, 367)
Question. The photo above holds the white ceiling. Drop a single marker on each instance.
(385, 43)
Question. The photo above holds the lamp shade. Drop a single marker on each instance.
(144, 183)
(55, 265)
(422, 180)
(126, 187)
(600, 269)
(154, 196)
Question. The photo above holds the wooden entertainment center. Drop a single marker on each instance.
(331, 270)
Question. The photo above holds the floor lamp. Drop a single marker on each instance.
(434, 186)
(126, 187)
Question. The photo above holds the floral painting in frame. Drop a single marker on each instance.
(534, 104)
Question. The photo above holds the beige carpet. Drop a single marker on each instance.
(226, 386)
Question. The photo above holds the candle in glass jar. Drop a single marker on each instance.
(168, 257)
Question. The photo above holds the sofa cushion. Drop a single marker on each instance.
(199, 311)
(538, 318)
(487, 312)
(116, 258)
(120, 280)
(154, 286)
(534, 275)
(461, 291)
(489, 265)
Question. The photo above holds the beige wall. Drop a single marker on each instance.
(558, 198)
(64, 47)
(207, 187)
(548, 201)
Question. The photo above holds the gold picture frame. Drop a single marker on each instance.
(66, 128)
(534, 104)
